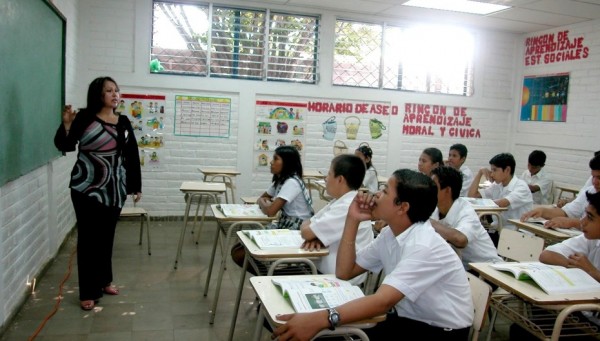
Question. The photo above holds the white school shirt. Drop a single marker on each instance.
(468, 176)
(587, 184)
(590, 248)
(463, 217)
(292, 193)
(576, 208)
(370, 181)
(424, 267)
(518, 195)
(328, 226)
(542, 179)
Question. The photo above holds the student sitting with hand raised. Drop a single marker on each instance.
(325, 228)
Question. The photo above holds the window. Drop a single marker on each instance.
(237, 43)
(425, 59)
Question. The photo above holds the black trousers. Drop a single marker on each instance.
(96, 224)
(398, 327)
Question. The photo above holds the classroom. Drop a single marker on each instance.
(546, 40)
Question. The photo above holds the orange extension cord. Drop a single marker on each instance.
(60, 297)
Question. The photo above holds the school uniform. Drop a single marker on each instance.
(328, 226)
(463, 218)
(370, 181)
(517, 193)
(468, 176)
(420, 264)
(541, 179)
(576, 208)
(294, 194)
(589, 247)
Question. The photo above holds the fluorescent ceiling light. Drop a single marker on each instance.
(466, 6)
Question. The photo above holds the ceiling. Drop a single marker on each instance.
(525, 16)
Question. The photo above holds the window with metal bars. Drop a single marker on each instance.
(424, 59)
(234, 42)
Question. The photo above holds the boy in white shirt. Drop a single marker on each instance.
(425, 282)
(536, 178)
(325, 228)
(570, 214)
(457, 222)
(456, 159)
(506, 190)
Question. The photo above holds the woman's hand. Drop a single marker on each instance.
(137, 196)
(68, 115)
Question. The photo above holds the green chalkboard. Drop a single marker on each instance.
(32, 79)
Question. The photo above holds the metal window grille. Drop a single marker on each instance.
(243, 43)
(390, 57)
(357, 54)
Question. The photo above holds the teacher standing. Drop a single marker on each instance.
(107, 169)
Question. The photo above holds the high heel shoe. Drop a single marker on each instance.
(87, 305)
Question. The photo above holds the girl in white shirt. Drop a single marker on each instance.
(366, 154)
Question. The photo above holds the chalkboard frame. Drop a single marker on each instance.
(32, 86)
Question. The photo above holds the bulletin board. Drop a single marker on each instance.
(32, 84)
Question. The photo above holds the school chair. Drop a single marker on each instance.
(514, 246)
(143, 215)
(481, 293)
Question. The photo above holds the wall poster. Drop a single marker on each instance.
(202, 116)
(544, 98)
(146, 114)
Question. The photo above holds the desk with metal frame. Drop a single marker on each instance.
(197, 189)
(526, 297)
(254, 255)
(566, 188)
(227, 176)
(274, 303)
(551, 236)
(226, 226)
(310, 175)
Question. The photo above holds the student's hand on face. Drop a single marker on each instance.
(579, 260)
(312, 245)
(361, 207)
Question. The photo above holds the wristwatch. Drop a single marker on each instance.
(334, 318)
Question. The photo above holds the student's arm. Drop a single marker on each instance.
(270, 207)
(533, 188)
(306, 232)
(474, 189)
(553, 258)
(304, 326)
(359, 210)
(502, 202)
(576, 260)
(544, 212)
(450, 234)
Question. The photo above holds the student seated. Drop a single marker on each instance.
(536, 178)
(287, 194)
(456, 159)
(569, 215)
(457, 222)
(582, 251)
(430, 158)
(562, 201)
(370, 181)
(425, 289)
(506, 190)
(325, 228)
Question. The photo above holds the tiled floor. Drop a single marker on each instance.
(156, 302)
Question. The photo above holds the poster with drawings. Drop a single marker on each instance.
(277, 123)
(147, 116)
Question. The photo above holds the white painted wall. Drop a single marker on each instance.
(112, 37)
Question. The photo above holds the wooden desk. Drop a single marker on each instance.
(227, 176)
(273, 303)
(551, 236)
(196, 189)
(566, 188)
(249, 200)
(491, 210)
(527, 297)
(227, 227)
(253, 254)
(310, 175)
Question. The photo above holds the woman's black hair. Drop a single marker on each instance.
(367, 152)
(95, 95)
(292, 165)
